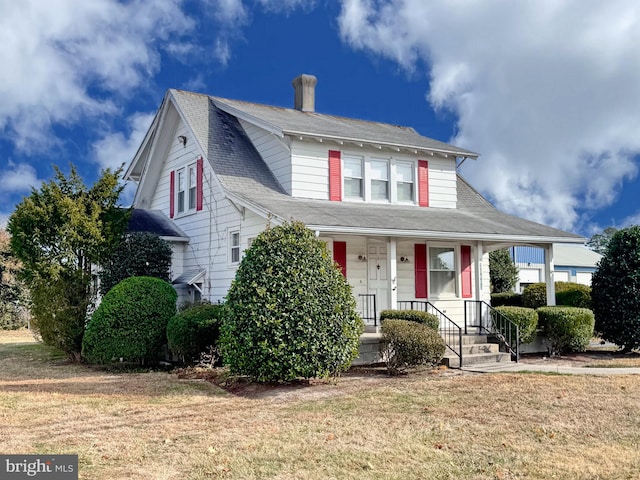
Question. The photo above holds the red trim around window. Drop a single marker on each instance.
(465, 267)
(420, 251)
(340, 256)
(335, 176)
(423, 183)
(172, 193)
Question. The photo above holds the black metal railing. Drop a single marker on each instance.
(450, 331)
(479, 314)
(367, 307)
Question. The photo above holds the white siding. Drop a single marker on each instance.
(310, 169)
(273, 151)
(442, 183)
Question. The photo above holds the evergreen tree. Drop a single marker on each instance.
(502, 271)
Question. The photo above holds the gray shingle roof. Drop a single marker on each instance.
(153, 221)
(245, 176)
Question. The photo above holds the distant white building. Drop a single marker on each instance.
(572, 263)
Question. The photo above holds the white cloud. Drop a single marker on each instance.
(19, 178)
(68, 57)
(287, 6)
(546, 91)
(116, 149)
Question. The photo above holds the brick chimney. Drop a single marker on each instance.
(305, 92)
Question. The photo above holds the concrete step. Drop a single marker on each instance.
(474, 348)
(467, 339)
(453, 361)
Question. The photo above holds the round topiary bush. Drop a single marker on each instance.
(428, 319)
(289, 312)
(567, 328)
(131, 321)
(191, 331)
(408, 344)
(525, 318)
(615, 290)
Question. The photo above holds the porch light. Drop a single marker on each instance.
(362, 258)
(404, 259)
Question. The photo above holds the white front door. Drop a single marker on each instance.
(378, 278)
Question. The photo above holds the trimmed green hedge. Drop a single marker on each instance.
(131, 321)
(408, 344)
(525, 318)
(506, 299)
(567, 294)
(418, 316)
(191, 331)
(567, 328)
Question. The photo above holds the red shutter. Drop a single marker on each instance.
(199, 168)
(340, 256)
(172, 193)
(423, 183)
(421, 270)
(335, 176)
(465, 267)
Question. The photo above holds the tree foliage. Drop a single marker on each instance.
(13, 294)
(131, 321)
(503, 272)
(615, 290)
(600, 241)
(59, 233)
(289, 312)
(140, 254)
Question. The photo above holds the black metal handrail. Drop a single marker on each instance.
(368, 308)
(487, 319)
(450, 331)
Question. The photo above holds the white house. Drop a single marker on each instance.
(401, 222)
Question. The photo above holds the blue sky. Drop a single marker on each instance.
(545, 90)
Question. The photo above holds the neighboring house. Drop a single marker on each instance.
(398, 218)
(572, 263)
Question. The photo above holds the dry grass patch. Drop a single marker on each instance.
(155, 425)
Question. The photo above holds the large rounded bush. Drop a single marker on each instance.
(191, 331)
(567, 328)
(616, 290)
(525, 318)
(418, 316)
(289, 312)
(408, 344)
(535, 295)
(131, 321)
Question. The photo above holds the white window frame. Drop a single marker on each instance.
(190, 189)
(233, 247)
(392, 178)
(456, 271)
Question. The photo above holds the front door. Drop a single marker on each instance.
(378, 279)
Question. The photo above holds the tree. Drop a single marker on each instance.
(13, 295)
(140, 254)
(289, 312)
(600, 241)
(59, 233)
(502, 271)
(615, 290)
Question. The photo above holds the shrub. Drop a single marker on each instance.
(428, 319)
(525, 318)
(573, 295)
(131, 321)
(140, 254)
(510, 299)
(408, 344)
(567, 328)
(503, 273)
(535, 295)
(191, 331)
(289, 312)
(616, 290)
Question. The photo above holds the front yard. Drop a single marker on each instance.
(440, 425)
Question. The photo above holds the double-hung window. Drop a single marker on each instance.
(192, 186)
(404, 182)
(442, 271)
(353, 177)
(379, 178)
(234, 246)
(182, 186)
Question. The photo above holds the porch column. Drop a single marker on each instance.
(478, 270)
(548, 274)
(393, 273)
